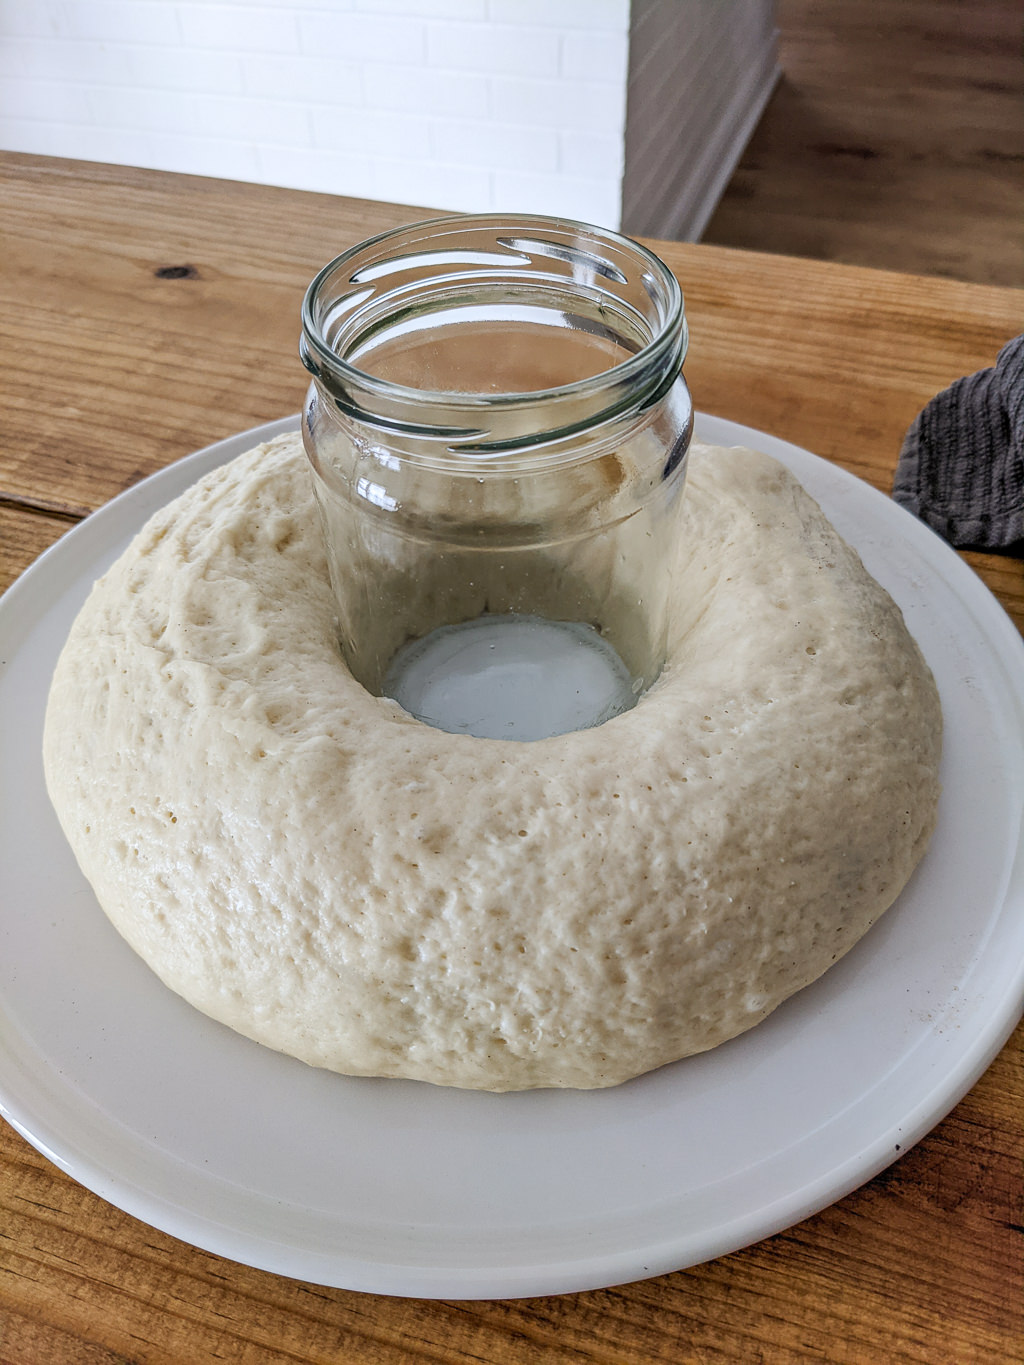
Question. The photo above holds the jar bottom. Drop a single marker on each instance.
(511, 676)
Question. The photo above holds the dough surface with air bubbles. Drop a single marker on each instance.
(321, 872)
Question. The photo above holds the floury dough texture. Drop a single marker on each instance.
(321, 872)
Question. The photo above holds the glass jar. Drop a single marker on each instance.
(498, 429)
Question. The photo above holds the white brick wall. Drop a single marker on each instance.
(508, 105)
(452, 104)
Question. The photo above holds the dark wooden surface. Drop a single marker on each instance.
(114, 365)
(895, 139)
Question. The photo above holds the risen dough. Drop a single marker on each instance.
(311, 866)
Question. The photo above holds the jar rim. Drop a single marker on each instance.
(670, 337)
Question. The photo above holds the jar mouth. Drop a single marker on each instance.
(607, 294)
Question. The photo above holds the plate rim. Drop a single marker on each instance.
(485, 1282)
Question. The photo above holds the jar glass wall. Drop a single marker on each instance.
(498, 428)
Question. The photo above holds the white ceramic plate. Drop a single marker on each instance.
(402, 1188)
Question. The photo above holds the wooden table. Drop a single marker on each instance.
(145, 315)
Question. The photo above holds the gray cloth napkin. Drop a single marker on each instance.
(961, 469)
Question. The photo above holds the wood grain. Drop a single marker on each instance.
(113, 370)
(894, 139)
(24, 535)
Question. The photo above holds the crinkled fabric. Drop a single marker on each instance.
(961, 469)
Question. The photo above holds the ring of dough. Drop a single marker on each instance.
(315, 868)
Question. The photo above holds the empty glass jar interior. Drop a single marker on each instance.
(498, 429)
